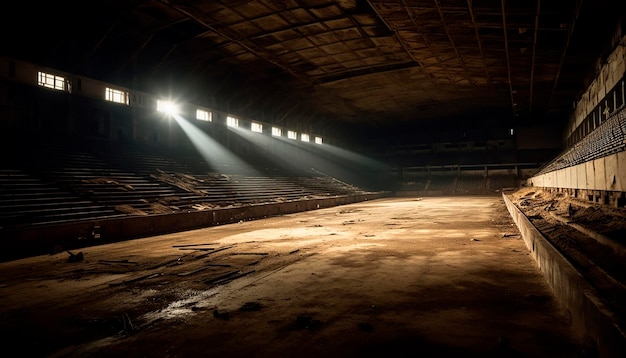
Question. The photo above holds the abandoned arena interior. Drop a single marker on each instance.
(308, 178)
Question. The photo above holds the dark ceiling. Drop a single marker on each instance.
(373, 62)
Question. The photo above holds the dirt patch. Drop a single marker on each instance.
(130, 210)
(591, 236)
(186, 182)
(109, 181)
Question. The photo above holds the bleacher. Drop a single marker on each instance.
(470, 185)
(64, 181)
(25, 200)
(499, 182)
(608, 138)
(73, 168)
(454, 184)
(230, 185)
(443, 184)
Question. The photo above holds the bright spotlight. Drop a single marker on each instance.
(167, 107)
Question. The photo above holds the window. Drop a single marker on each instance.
(203, 115)
(292, 135)
(304, 137)
(318, 140)
(116, 96)
(53, 81)
(277, 132)
(232, 121)
(257, 127)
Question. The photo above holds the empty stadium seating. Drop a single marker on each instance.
(47, 182)
(457, 184)
(608, 138)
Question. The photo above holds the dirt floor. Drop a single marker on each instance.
(591, 236)
(429, 277)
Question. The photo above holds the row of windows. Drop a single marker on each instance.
(119, 96)
(276, 132)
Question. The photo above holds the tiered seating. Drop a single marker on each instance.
(221, 189)
(607, 139)
(60, 181)
(470, 185)
(458, 184)
(203, 187)
(27, 200)
(445, 184)
(93, 179)
(498, 182)
(418, 184)
(324, 185)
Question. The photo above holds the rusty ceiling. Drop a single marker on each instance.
(374, 62)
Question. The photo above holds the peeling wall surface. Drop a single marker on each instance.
(608, 77)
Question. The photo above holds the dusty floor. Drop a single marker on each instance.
(394, 277)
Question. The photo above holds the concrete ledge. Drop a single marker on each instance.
(45, 239)
(413, 193)
(591, 318)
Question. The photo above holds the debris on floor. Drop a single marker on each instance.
(75, 257)
(225, 315)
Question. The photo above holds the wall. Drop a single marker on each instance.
(601, 180)
(609, 78)
(596, 132)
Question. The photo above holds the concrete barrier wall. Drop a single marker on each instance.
(590, 317)
(38, 240)
(607, 173)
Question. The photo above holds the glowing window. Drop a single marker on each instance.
(232, 121)
(304, 137)
(49, 80)
(116, 96)
(257, 127)
(277, 132)
(166, 107)
(292, 135)
(318, 140)
(202, 115)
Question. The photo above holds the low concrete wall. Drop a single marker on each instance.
(38, 240)
(606, 173)
(590, 317)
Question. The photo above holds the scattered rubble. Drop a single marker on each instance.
(590, 235)
(75, 257)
